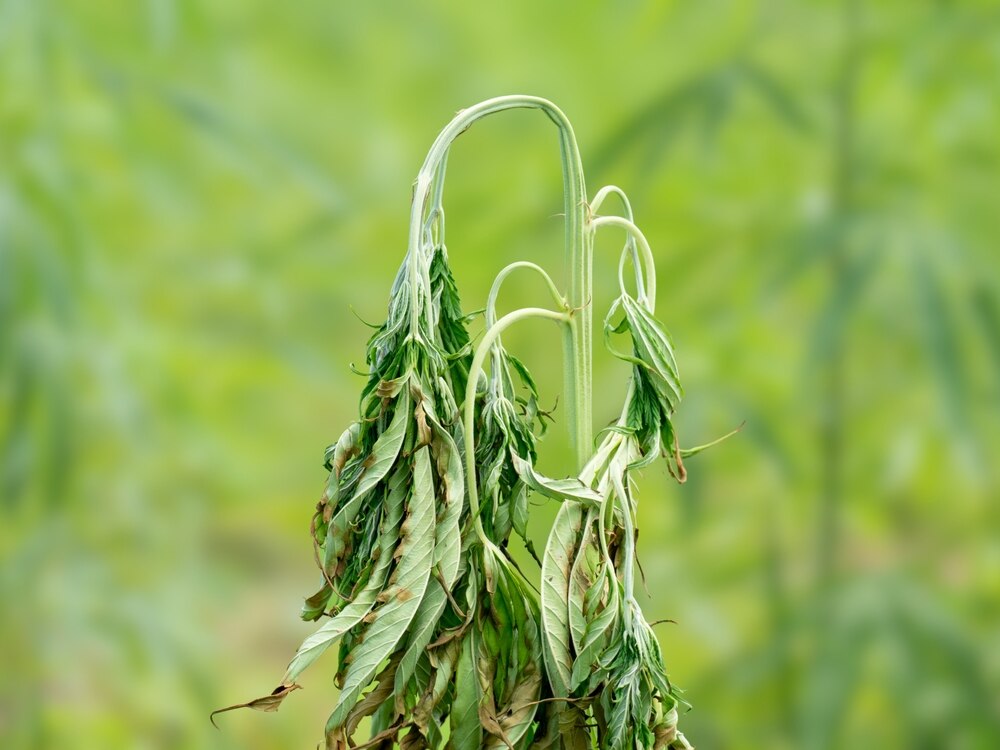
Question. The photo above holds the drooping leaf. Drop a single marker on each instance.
(556, 489)
(466, 731)
(271, 702)
(355, 611)
(404, 593)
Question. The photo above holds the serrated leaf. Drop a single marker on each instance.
(558, 659)
(355, 611)
(406, 590)
(448, 534)
(420, 634)
(466, 731)
(387, 447)
(378, 463)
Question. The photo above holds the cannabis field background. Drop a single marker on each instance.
(196, 199)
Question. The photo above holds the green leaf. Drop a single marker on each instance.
(595, 638)
(556, 489)
(388, 445)
(578, 584)
(352, 614)
(404, 593)
(420, 634)
(523, 681)
(555, 595)
(377, 465)
(448, 534)
(654, 348)
(466, 731)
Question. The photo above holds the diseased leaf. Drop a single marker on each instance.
(387, 447)
(466, 731)
(403, 594)
(594, 640)
(372, 700)
(420, 634)
(345, 448)
(448, 534)
(377, 466)
(354, 612)
(555, 595)
(556, 489)
(271, 702)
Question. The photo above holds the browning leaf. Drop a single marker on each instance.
(269, 703)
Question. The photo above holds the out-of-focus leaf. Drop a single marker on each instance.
(942, 341)
(775, 95)
(987, 312)
(831, 323)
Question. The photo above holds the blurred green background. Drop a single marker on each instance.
(194, 196)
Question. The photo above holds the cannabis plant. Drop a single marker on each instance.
(442, 639)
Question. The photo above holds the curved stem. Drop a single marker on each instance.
(647, 253)
(607, 190)
(491, 301)
(577, 342)
(470, 398)
(630, 246)
(434, 224)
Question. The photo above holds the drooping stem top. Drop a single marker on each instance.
(577, 341)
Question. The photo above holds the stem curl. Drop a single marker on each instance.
(475, 370)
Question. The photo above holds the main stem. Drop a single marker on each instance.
(577, 340)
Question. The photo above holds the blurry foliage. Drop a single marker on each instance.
(193, 195)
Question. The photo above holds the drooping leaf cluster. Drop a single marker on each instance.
(442, 640)
(601, 655)
(439, 634)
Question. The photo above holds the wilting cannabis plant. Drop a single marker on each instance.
(442, 640)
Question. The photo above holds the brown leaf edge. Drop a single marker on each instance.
(268, 703)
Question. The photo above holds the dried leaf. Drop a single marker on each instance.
(269, 703)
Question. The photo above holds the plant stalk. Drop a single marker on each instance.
(578, 338)
(475, 369)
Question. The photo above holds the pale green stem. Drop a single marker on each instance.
(630, 246)
(597, 462)
(578, 338)
(434, 224)
(491, 301)
(647, 253)
(604, 192)
(475, 370)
